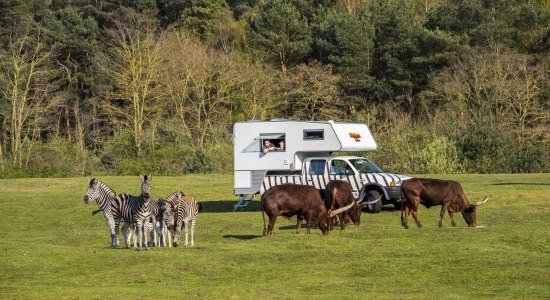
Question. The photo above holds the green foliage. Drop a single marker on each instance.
(346, 41)
(487, 149)
(281, 31)
(55, 158)
(518, 24)
(198, 162)
(202, 16)
(471, 73)
(416, 152)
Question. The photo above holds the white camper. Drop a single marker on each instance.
(274, 152)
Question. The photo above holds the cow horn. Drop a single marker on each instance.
(370, 202)
(478, 203)
(341, 209)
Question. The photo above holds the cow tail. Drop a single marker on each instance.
(402, 199)
(264, 232)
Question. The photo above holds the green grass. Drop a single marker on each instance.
(52, 247)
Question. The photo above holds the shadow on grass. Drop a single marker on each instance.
(242, 237)
(520, 183)
(218, 206)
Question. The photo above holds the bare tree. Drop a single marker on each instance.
(499, 85)
(133, 63)
(204, 86)
(26, 84)
(312, 93)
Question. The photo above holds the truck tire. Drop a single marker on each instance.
(376, 207)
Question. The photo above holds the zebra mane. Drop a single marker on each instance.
(174, 196)
(105, 187)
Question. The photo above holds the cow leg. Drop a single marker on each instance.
(310, 222)
(405, 218)
(414, 208)
(444, 208)
(342, 217)
(451, 217)
(272, 220)
(299, 221)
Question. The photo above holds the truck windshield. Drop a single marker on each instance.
(365, 166)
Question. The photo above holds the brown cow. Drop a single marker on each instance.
(432, 192)
(301, 200)
(339, 193)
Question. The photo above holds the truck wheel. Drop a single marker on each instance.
(376, 207)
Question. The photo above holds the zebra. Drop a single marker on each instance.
(107, 201)
(123, 207)
(178, 214)
(155, 226)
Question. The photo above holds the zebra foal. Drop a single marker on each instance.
(178, 214)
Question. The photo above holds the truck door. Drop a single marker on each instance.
(341, 169)
(316, 170)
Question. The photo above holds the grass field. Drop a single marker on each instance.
(53, 247)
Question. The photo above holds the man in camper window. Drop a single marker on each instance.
(268, 146)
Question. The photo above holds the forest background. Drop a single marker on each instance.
(127, 87)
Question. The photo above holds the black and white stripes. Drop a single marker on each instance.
(143, 215)
(320, 181)
(178, 214)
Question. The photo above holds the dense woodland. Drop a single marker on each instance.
(134, 86)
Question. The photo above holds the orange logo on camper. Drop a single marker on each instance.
(355, 136)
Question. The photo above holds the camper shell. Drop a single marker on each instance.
(304, 157)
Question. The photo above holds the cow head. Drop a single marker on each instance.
(469, 213)
(332, 213)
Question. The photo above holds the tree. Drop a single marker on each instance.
(26, 84)
(312, 93)
(281, 31)
(346, 41)
(133, 64)
(497, 87)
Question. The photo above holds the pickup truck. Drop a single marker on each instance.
(358, 171)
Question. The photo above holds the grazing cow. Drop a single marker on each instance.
(301, 200)
(339, 193)
(432, 192)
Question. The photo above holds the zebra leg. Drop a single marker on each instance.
(167, 236)
(186, 225)
(158, 234)
(111, 221)
(192, 232)
(126, 234)
(143, 236)
(114, 233)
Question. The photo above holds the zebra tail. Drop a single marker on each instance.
(95, 211)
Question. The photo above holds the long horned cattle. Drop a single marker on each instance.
(431, 192)
(302, 201)
(338, 193)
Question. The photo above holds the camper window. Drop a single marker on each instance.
(272, 142)
(317, 167)
(314, 134)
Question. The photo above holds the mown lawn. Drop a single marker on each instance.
(53, 247)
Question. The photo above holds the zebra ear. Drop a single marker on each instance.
(141, 178)
(92, 182)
